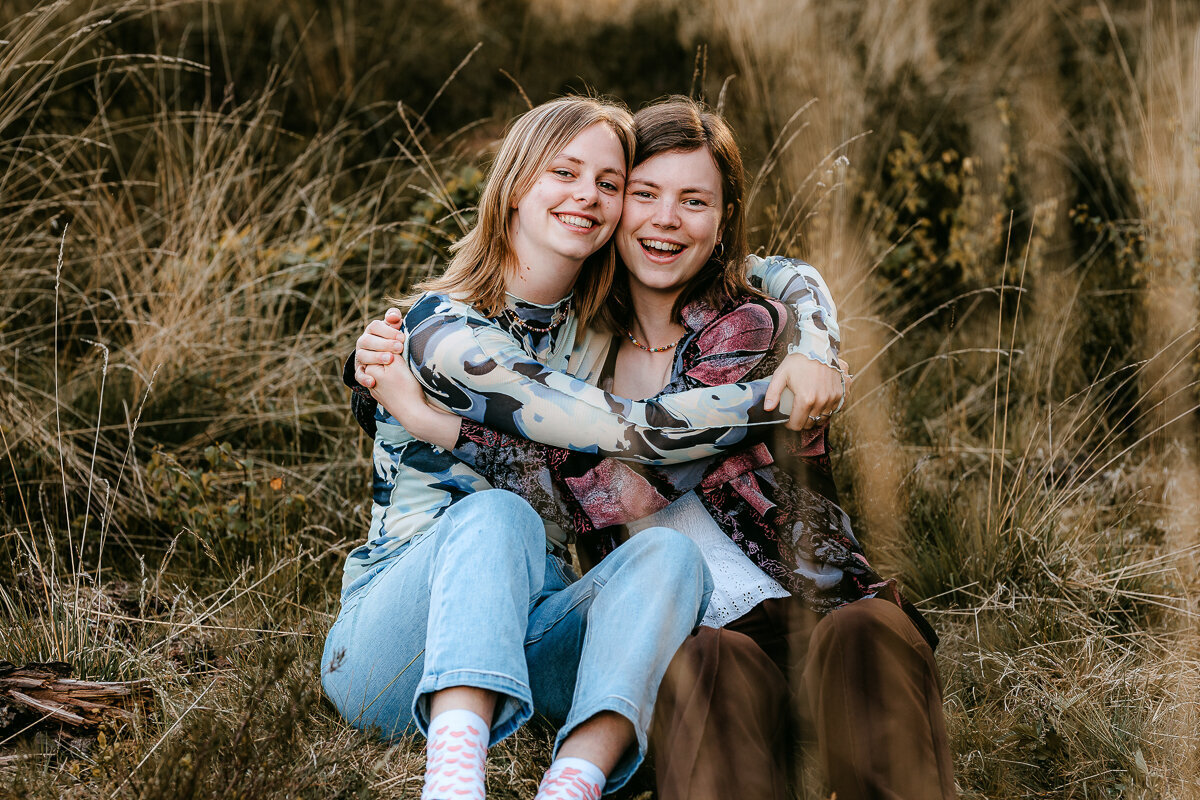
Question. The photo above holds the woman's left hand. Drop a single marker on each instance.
(818, 390)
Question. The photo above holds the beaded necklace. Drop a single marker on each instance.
(560, 316)
(649, 349)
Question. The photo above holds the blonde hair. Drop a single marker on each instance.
(484, 258)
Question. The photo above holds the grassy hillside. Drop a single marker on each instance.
(201, 203)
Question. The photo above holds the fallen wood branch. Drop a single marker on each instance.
(45, 691)
(14, 758)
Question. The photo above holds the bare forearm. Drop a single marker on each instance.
(399, 393)
(437, 427)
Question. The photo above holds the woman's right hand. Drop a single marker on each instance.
(379, 344)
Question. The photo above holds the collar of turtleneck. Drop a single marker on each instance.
(538, 326)
(537, 313)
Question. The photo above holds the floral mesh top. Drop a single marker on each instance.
(540, 386)
(784, 515)
(787, 521)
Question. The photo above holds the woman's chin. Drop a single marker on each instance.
(656, 282)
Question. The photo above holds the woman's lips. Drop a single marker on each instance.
(661, 250)
(576, 221)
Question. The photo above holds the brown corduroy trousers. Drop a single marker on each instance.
(861, 681)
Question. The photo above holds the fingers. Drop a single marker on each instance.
(377, 393)
(374, 373)
(364, 358)
(375, 349)
(803, 408)
(807, 413)
(830, 393)
(377, 346)
(814, 407)
(799, 420)
(373, 354)
(370, 343)
(818, 390)
(366, 371)
(387, 336)
(361, 374)
(774, 391)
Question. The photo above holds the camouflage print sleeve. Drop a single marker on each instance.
(800, 285)
(739, 344)
(471, 366)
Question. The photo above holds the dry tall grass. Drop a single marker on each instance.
(202, 201)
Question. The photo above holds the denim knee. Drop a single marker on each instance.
(675, 556)
(676, 562)
(498, 518)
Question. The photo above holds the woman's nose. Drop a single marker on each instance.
(665, 215)
(586, 193)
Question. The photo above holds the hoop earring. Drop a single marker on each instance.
(719, 251)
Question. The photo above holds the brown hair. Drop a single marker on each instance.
(484, 258)
(682, 124)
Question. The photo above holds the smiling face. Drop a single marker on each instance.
(671, 220)
(573, 206)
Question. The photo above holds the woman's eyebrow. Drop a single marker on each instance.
(580, 162)
(685, 190)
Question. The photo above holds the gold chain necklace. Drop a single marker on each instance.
(649, 349)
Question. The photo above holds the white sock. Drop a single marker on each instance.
(571, 779)
(455, 755)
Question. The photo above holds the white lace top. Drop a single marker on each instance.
(738, 584)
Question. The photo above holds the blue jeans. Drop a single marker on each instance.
(477, 601)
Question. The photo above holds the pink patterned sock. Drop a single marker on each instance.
(571, 779)
(455, 754)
